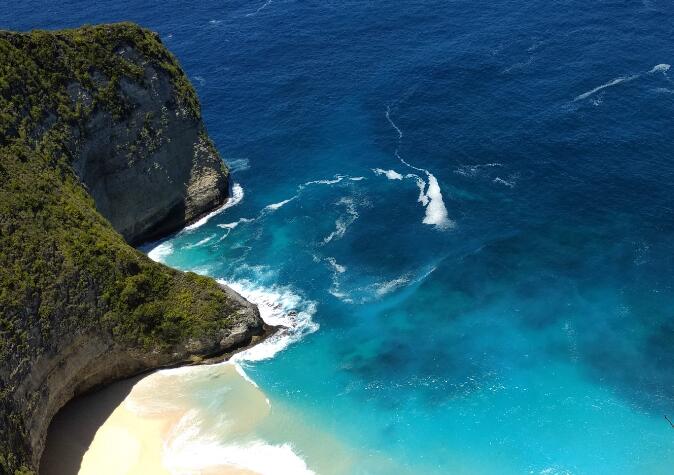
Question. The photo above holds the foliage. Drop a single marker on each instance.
(63, 269)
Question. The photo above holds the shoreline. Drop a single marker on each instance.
(113, 431)
(69, 436)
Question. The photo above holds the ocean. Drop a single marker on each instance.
(462, 211)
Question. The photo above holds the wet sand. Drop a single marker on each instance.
(101, 434)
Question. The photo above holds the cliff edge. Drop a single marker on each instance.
(101, 145)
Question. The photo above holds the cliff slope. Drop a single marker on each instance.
(101, 140)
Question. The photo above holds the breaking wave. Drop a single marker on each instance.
(237, 196)
(160, 252)
(279, 306)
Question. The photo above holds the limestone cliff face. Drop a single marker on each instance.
(101, 144)
(155, 170)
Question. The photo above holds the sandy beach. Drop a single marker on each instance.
(138, 443)
(117, 431)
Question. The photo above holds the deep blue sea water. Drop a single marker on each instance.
(528, 330)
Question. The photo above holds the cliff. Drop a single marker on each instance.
(101, 143)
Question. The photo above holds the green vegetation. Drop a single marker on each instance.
(63, 269)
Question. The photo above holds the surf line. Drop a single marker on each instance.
(430, 194)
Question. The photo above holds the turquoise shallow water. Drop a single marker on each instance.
(515, 318)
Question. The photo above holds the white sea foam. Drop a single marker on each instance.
(660, 68)
(235, 223)
(387, 287)
(343, 222)
(436, 212)
(278, 306)
(200, 243)
(388, 117)
(280, 204)
(161, 251)
(421, 183)
(430, 194)
(230, 226)
(336, 179)
(188, 451)
(380, 289)
(332, 181)
(336, 267)
(390, 174)
(335, 289)
(237, 196)
(508, 183)
(611, 83)
(265, 5)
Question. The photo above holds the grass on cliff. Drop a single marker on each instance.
(63, 269)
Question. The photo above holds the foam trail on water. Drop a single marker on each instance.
(614, 82)
(430, 194)
(660, 68)
(343, 222)
(278, 306)
(421, 183)
(280, 204)
(387, 287)
(230, 226)
(337, 270)
(200, 243)
(265, 5)
(388, 117)
(237, 196)
(235, 223)
(384, 288)
(390, 174)
(508, 183)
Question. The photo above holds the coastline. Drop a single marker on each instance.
(112, 432)
(135, 410)
(75, 427)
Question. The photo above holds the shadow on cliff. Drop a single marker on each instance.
(73, 428)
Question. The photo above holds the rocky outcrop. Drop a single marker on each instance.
(156, 169)
(93, 358)
(101, 141)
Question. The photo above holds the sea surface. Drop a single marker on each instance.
(462, 210)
